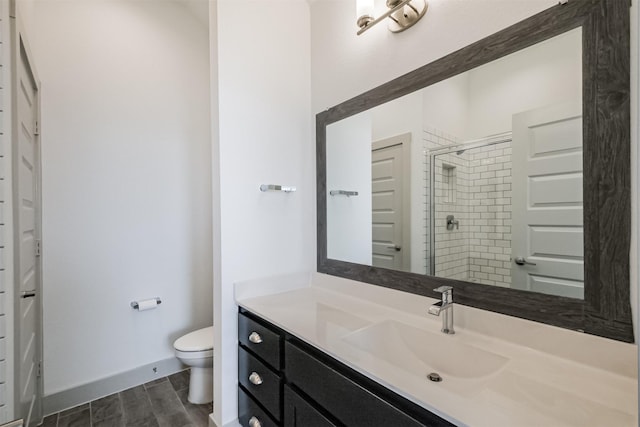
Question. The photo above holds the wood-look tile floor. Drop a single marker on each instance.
(159, 403)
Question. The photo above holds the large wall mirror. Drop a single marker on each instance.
(502, 169)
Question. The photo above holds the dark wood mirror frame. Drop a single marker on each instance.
(606, 308)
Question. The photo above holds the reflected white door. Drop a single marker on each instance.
(547, 234)
(388, 246)
(27, 260)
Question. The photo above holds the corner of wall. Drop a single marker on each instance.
(215, 418)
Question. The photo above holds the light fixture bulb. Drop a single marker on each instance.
(364, 12)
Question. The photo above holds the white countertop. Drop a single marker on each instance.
(550, 376)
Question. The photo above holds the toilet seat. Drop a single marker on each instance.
(188, 355)
(196, 341)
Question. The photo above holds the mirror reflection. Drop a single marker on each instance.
(476, 178)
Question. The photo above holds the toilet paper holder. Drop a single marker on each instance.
(136, 306)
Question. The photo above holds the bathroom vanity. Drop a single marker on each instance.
(284, 381)
(331, 351)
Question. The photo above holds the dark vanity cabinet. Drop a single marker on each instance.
(285, 382)
(260, 373)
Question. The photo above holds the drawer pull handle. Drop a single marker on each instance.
(255, 378)
(255, 338)
(254, 422)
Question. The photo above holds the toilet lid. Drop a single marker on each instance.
(199, 340)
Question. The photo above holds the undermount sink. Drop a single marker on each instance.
(422, 352)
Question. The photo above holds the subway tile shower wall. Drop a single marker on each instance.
(490, 215)
(475, 187)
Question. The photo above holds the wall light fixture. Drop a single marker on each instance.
(402, 14)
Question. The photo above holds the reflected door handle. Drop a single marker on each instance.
(521, 261)
(396, 247)
(28, 294)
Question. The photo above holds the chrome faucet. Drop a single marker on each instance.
(445, 307)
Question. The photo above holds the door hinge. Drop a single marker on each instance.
(37, 128)
(38, 247)
(39, 370)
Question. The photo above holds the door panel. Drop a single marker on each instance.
(564, 242)
(565, 190)
(553, 137)
(548, 200)
(27, 271)
(386, 189)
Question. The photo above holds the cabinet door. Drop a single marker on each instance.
(346, 399)
(299, 413)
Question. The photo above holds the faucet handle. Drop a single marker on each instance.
(447, 294)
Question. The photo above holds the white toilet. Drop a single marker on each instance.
(195, 350)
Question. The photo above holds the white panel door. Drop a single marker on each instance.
(547, 234)
(387, 199)
(27, 235)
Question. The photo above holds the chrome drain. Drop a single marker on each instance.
(435, 377)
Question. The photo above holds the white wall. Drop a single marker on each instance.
(446, 106)
(265, 137)
(126, 183)
(349, 232)
(545, 74)
(482, 101)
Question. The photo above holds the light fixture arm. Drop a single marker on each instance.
(401, 20)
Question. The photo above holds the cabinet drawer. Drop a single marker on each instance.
(260, 339)
(300, 413)
(342, 397)
(260, 381)
(249, 410)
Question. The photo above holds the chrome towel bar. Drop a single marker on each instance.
(274, 187)
(343, 193)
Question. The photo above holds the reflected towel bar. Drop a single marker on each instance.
(343, 193)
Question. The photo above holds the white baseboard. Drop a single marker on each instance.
(66, 399)
(234, 423)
